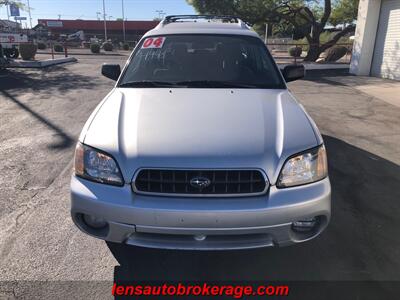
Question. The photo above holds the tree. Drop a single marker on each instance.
(15, 2)
(301, 14)
(344, 12)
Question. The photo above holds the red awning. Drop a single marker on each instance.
(60, 25)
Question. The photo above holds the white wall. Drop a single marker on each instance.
(364, 42)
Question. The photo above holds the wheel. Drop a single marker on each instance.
(11, 53)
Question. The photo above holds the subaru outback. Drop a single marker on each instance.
(200, 145)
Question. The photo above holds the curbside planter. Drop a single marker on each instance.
(41, 63)
(108, 46)
(95, 48)
(58, 48)
(295, 51)
(28, 51)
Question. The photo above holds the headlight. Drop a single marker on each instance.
(303, 168)
(95, 165)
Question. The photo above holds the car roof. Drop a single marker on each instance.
(197, 24)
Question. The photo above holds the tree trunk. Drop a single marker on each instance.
(314, 46)
(313, 53)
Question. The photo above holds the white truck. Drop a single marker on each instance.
(9, 43)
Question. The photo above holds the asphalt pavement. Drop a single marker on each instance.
(42, 253)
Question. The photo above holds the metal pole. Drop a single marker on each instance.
(160, 13)
(8, 13)
(123, 19)
(105, 21)
(30, 16)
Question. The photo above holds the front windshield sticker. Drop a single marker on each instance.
(150, 43)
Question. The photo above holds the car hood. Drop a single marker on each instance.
(200, 128)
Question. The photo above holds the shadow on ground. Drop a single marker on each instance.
(48, 84)
(53, 79)
(64, 139)
(361, 242)
(322, 76)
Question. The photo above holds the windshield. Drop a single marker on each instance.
(219, 61)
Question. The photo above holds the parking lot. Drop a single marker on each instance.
(41, 115)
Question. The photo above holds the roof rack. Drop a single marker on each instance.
(209, 18)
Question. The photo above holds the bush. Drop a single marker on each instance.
(41, 46)
(125, 46)
(295, 51)
(335, 53)
(324, 37)
(95, 48)
(58, 48)
(107, 46)
(27, 51)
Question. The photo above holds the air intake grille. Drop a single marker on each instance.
(200, 182)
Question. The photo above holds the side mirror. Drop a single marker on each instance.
(111, 71)
(293, 72)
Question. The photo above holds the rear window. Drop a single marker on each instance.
(203, 61)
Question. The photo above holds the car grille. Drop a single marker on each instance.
(200, 182)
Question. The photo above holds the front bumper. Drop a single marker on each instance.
(200, 223)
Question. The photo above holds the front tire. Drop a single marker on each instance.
(11, 53)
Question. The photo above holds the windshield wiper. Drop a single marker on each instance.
(147, 83)
(215, 84)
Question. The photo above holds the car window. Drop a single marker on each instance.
(219, 60)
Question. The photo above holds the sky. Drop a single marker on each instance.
(87, 9)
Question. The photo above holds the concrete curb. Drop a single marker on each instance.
(40, 63)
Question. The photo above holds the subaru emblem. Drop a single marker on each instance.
(200, 182)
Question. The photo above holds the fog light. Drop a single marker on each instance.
(305, 224)
(94, 222)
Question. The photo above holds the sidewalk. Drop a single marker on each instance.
(384, 89)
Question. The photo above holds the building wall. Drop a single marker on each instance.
(376, 48)
(364, 41)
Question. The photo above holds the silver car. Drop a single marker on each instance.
(200, 145)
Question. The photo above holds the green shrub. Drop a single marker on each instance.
(335, 53)
(107, 46)
(58, 48)
(41, 46)
(125, 46)
(95, 48)
(295, 51)
(27, 51)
